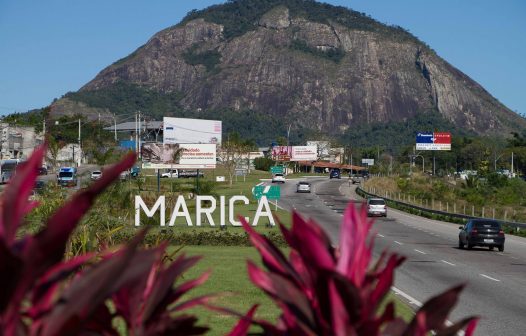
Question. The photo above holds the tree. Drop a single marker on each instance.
(53, 149)
(232, 151)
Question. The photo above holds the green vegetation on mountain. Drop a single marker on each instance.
(399, 134)
(125, 98)
(209, 58)
(241, 16)
(331, 54)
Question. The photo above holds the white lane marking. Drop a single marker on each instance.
(260, 183)
(514, 258)
(274, 204)
(398, 242)
(379, 235)
(447, 262)
(409, 298)
(488, 277)
(500, 253)
(413, 301)
(420, 251)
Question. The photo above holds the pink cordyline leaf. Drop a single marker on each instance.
(272, 256)
(46, 288)
(46, 248)
(79, 301)
(15, 204)
(355, 254)
(162, 286)
(242, 327)
(312, 243)
(328, 291)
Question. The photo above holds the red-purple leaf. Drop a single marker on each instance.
(242, 327)
(15, 198)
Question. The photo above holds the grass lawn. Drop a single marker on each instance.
(230, 278)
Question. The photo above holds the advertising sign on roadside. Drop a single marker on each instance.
(184, 156)
(191, 131)
(294, 153)
(304, 153)
(369, 162)
(433, 141)
(281, 153)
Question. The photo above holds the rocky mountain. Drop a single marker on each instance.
(320, 67)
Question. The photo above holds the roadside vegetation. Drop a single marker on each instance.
(492, 195)
(318, 289)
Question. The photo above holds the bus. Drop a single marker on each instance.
(67, 177)
(7, 169)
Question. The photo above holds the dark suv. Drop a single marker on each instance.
(481, 232)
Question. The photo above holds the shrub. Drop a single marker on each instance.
(43, 294)
(323, 290)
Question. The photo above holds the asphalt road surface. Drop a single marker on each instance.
(496, 282)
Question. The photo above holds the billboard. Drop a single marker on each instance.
(304, 153)
(369, 162)
(191, 131)
(183, 156)
(294, 153)
(433, 141)
(323, 147)
(281, 153)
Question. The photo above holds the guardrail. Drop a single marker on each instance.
(415, 209)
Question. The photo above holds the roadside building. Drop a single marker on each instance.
(18, 142)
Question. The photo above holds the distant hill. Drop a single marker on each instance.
(261, 65)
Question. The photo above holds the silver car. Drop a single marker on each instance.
(303, 187)
(376, 207)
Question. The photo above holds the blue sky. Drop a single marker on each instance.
(48, 48)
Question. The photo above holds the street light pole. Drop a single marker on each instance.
(80, 149)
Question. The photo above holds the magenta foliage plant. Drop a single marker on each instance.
(326, 290)
(43, 294)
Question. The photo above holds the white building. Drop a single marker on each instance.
(18, 142)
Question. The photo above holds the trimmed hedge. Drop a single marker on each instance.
(197, 238)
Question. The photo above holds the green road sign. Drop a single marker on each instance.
(276, 170)
(271, 192)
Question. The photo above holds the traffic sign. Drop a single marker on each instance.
(276, 170)
(271, 192)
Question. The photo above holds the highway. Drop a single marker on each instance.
(496, 282)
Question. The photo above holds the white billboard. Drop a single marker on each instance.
(323, 147)
(183, 156)
(191, 131)
(304, 153)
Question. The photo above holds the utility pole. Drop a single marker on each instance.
(80, 150)
(511, 164)
(136, 136)
(115, 124)
(140, 133)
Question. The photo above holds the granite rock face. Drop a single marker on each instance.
(375, 79)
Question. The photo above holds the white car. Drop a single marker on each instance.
(96, 175)
(278, 178)
(376, 207)
(172, 173)
(303, 187)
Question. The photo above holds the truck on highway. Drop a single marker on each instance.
(7, 169)
(67, 177)
(179, 173)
